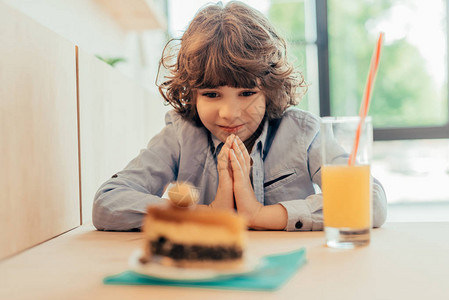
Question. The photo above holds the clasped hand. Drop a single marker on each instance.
(234, 167)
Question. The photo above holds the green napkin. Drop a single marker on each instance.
(272, 272)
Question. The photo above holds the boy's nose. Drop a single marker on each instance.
(230, 109)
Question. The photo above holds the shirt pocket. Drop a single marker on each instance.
(279, 179)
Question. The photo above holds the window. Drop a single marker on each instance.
(410, 98)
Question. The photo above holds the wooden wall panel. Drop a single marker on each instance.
(39, 178)
(117, 119)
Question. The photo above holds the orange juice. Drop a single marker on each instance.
(346, 196)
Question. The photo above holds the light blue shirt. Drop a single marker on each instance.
(286, 170)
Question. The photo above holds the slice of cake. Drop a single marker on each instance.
(195, 238)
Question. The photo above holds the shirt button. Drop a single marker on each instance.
(298, 225)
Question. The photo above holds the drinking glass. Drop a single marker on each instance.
(346, 187)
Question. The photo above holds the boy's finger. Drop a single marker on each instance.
(239, 154)
(236, 167)
(243, 149)
(223, 158)
(224, 155)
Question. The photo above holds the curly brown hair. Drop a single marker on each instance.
(234, 46)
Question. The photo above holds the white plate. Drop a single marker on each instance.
(154, 269)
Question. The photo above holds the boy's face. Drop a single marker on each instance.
(226, 110)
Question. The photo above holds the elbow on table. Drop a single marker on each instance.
(100, 213)
(379, 212)
(379, 205)
(104, 216)
(108, 215)
(379, 218)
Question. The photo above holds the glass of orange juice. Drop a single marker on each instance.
(346, 187)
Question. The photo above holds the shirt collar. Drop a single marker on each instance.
(217, 144)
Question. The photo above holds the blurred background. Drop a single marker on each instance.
(331, 42)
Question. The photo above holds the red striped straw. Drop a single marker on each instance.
(366, 97)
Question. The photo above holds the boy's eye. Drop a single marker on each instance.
(210, 95)
(248, 93)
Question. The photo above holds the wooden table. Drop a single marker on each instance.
(403, 261)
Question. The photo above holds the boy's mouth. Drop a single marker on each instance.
(231, 129)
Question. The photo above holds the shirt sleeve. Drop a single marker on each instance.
(121, 202)
(304, 214)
